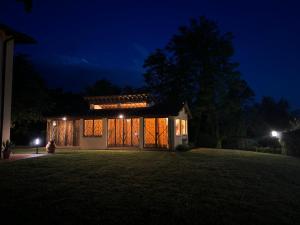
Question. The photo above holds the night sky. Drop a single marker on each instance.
(82, 41)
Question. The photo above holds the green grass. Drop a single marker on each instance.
(26, 150)
(143, 187)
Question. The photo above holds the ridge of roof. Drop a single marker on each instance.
(158, 110)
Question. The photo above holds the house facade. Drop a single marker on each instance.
(120, 122)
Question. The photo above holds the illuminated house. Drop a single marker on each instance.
(122, 121)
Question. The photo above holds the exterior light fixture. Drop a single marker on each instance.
(54, 123)
(64, 118)
(275, 134)
(121, 116)
(37, 142)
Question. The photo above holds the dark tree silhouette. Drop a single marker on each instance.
(269, 115)
(196, 66)
(102, 87)
(30, 99)
(27, 4)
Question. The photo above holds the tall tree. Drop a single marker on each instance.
(269, 115)
(102, 87)
(27, 4)
(197, 66)
(30, 99)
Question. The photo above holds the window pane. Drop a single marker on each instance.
(88, 127)
(177, 125)
(186, 127)
(135, 131)
(162, 132)
(183, 127)
(119, 132)
(149, 132)
(97, 127)
(127, 132)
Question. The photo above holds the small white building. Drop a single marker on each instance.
(122, 121)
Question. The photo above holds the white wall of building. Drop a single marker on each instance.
(6, 87)
(93, 142)
(181, 139)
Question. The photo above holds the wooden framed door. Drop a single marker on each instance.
(123, 132)
(65, 133)
(156, 133)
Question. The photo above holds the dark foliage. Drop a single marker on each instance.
(268, 115)
(291, 142)
(65, 103)
(183, 148)
(27, 4)
(103, 87)
(197, 66)
(106, 87)
(30, 100)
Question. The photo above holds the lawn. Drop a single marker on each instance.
(144, 187)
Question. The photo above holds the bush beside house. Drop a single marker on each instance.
(291, 142)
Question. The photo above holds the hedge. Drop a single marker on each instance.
(291, 142)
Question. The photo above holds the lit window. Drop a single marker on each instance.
(177, 125)
(120, 105)
(88, 128)
(97, 127)
(92, 128)
(184, 127)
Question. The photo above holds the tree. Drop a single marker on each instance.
(196, 66)
(269, 115)
(27, 4)
(66, 103)
(102, 87)
(30, 99)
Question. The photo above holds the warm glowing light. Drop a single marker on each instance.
(64, 118)
(120, 105)
(54, 123)
(37, 141)
(275, 133)
(121, 116)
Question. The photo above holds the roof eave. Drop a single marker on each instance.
(20, 38)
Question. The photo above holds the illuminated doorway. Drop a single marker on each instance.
(156, 133)
(123, 132)
(65, 133)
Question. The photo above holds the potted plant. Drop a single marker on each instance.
(51, 146)
(6, 149)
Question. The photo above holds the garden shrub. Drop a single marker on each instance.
(205, 140)
(269, 142)
(182, 148)
(240, 143)
(291, 142)
(272, 150)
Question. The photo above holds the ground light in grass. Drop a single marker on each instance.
(37, 143)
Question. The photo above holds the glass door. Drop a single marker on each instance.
(156, 133)
(123, 132)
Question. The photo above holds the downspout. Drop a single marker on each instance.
(3, 86)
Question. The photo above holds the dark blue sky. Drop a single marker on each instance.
(81, 41)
